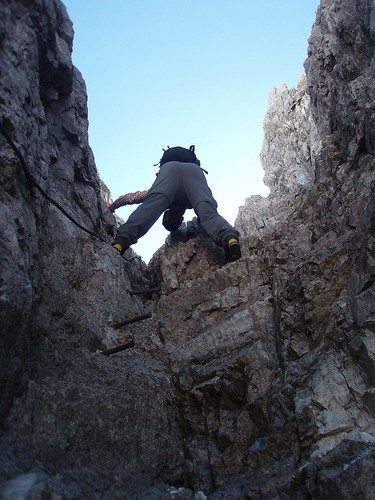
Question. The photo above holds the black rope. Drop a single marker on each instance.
(32, 181)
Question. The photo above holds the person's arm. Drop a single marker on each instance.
(128, 199)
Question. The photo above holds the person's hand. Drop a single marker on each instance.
(173, 218)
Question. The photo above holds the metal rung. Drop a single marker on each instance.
(129, 321)
(119, 348)
(141, 291)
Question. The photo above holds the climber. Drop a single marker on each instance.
(180, 184)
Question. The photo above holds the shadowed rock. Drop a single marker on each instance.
(248, 380)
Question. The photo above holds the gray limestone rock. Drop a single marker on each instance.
(248, 380)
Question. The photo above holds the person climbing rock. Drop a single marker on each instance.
(180, 184)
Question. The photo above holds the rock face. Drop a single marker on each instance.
(250, 380)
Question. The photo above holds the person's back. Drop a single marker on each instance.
(178, 153)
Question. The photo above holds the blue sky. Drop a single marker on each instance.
(179, 72)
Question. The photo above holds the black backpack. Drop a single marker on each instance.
(178, 153)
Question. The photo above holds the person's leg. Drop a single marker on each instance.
(141, 220)
(219, 230)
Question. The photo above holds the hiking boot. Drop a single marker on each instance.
(121, 244)
(232, 250)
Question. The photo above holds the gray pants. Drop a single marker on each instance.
(183, 185)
